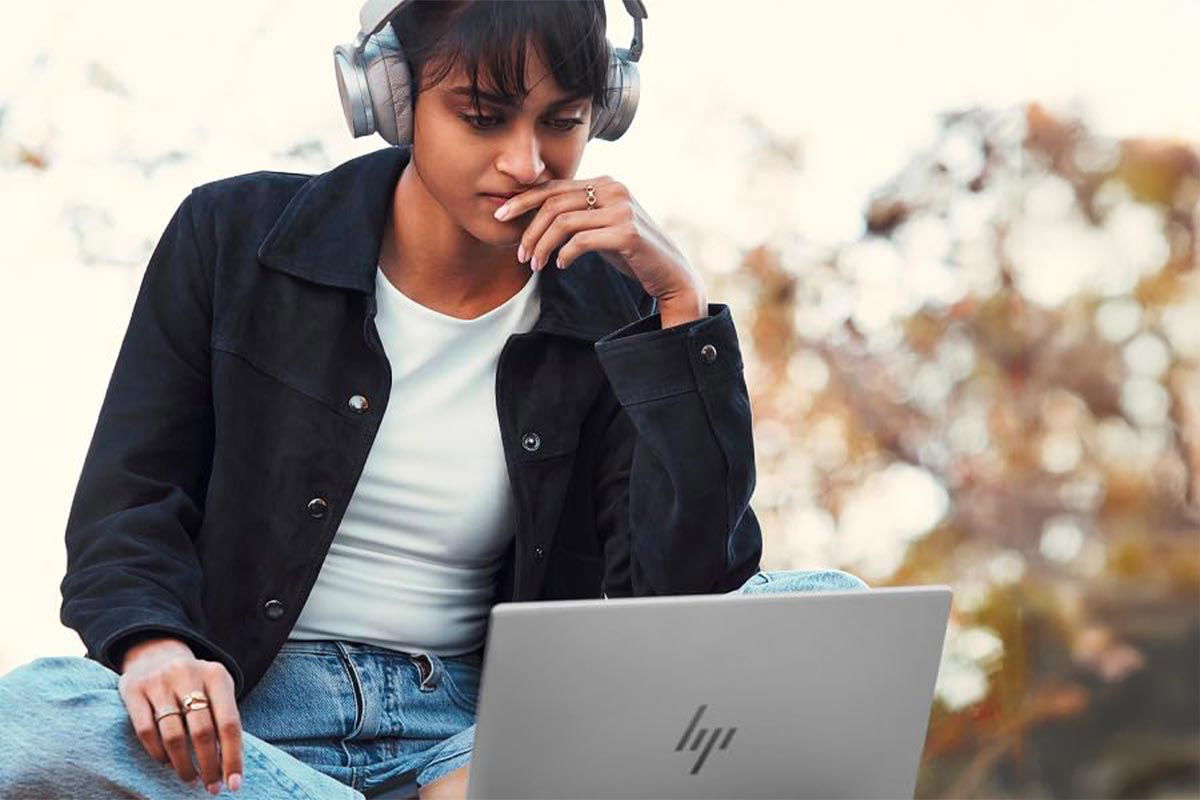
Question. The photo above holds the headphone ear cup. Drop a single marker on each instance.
(389, 85)
(352, 88)
(621, 93)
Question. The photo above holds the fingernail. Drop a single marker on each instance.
(521, 253)
(558, 261)
(214, 788)
(235, 782)
(533, 263)
(502, 211)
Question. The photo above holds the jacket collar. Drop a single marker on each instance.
(330, 233)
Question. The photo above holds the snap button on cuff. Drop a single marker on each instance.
(708, 353)
(317, 507)
(273, 609)
(531, 441)
(358, 403)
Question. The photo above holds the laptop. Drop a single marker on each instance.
(777, 695)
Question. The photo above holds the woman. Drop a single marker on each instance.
(274, 578)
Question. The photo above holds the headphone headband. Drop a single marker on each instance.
(375, 13)
(375, 87)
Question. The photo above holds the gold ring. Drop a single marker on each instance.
(591, 196)
(194, 701)
(159, 717)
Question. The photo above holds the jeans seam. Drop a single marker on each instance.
(279, 775)
(456, 695)
(445, 758)
(360, 712)
(473, 658)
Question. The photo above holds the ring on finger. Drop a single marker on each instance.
(193, 701)
(160, 717)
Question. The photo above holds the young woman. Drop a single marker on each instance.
(285, 590)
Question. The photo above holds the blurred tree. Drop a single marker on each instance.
(996, 387)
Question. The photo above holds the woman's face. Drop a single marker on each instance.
(461, 156)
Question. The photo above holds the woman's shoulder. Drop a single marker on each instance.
(253, 187)
(241, 207)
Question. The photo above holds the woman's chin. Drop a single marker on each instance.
(495, 233)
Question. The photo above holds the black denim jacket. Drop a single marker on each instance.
(251, 382)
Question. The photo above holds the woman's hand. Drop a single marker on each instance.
(155, 675)
(617, 228)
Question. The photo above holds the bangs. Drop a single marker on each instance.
(489, 41)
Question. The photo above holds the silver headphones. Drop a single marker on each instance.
(375, 86)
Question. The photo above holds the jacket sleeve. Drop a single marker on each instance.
(676, 470)
(132, 569)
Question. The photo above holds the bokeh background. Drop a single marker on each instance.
(959, 244)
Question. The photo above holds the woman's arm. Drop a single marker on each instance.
(676, 469)
(132, 567)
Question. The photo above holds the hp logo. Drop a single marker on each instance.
(703, 737)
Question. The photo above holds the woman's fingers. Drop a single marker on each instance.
(220, 690)
(144, 726)
(172, 731)
(203, 734)
(157, 676)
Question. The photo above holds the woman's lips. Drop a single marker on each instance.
(497, 199)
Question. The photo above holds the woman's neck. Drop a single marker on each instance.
(433, 261)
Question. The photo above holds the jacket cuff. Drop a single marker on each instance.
(112, 648)
(645, 361)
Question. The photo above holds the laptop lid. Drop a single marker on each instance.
(798, 695)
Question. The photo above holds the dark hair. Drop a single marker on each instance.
(490, 37)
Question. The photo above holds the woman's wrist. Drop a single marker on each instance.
(682, 307)
(139, 644)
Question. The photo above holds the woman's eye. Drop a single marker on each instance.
(485, 122)
(477, 119)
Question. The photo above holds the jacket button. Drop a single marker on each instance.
(708, 353)
(317, 507)
(273, 609)
(358, 403)
(531, 441)
(539, 553)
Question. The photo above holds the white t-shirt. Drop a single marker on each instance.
(414, 562)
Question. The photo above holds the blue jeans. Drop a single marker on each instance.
(329, 719)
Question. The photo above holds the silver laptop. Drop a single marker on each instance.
(779, 695)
